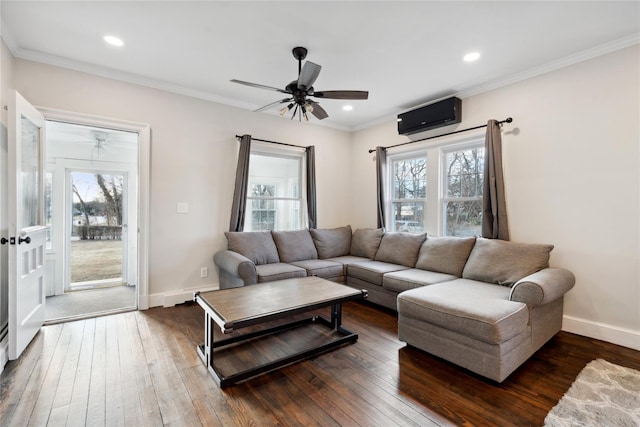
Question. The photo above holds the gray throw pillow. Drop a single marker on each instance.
(400, 248)
(296, 245)
(332, 243)
(445, 254)
(365, 242)
(504, 263)
(258, 246)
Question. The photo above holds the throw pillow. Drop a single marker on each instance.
(504, 263)
(400, 248)
(365, 242)
(296, 245)
(332, 243)
(445, 254)
(258, 246)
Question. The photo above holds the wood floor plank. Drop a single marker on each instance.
(20, 382)
(96, 406)
(77, 414)
(146, 394)
(141, 368)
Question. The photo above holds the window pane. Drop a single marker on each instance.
(465, 172)
(30, 155)
(408, 217)
(463, 218)
(284, 172)
(410, 178)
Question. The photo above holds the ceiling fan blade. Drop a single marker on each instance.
(318, 111)
(266, 107)
(308, 75)
(342, 94)
(258, 86)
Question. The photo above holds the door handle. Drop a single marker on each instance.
(4, 241)
(26, 240)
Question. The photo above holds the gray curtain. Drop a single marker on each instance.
(381, 173)
(239, 204)
(312, 210)
(494, 212)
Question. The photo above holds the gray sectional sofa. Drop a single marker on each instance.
(486, 305)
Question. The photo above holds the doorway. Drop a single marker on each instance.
(91, 201)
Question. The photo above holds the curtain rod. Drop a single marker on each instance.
(507, 120)
(273, 142)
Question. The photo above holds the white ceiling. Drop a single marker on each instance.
(404, 53)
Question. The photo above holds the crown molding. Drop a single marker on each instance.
(473, 90)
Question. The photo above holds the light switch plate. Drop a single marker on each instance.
(182, 207)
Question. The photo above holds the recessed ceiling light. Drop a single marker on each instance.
(347, 107)
(113, 40)
(470, 57)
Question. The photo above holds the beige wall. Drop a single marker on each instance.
(571, 163)
(193, 160)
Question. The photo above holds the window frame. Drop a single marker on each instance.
(444, 197)
(434, 221)
(268, 150)
(390, 187)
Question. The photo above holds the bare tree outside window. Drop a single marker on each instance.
(409, 189)
(464, 173)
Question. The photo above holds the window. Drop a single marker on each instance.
(463, 174)
(437, 189)
(274, 199)
(409, 192)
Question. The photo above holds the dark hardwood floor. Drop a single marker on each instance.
(142, 369)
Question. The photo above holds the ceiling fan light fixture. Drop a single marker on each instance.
(308, 107)
(284, 110)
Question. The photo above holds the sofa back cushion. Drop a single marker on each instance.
(331, 243)
(258, 246)
(365, 242)
(295, 245)
(400, 248)
(445, 254)
(504, 263)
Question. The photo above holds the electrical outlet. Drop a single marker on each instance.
(204, 272)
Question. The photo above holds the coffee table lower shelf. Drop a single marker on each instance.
(337, 337)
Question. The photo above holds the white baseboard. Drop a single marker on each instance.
(169, 299)
(601, 331)
(4, 353)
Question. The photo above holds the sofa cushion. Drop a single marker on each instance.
(346, 260)
(476, 309)
(320, 267)
(296, 245)
(372, 271)
(258, 246)
(332, 242)
(365, 242)
(278, 271)
(400, 248)
(504, 263)
(445, 254)
(399, 281)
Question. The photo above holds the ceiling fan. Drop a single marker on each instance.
(298, 91)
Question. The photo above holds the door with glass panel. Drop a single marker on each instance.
(98, 229)
(27, 231)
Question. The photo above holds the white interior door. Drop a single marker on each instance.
(27, 231)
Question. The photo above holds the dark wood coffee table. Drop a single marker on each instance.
(237, 308)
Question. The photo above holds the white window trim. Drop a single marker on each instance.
(442, 191)
(266, 149)
(435, 153)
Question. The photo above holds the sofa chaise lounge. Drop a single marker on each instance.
(486, 305)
